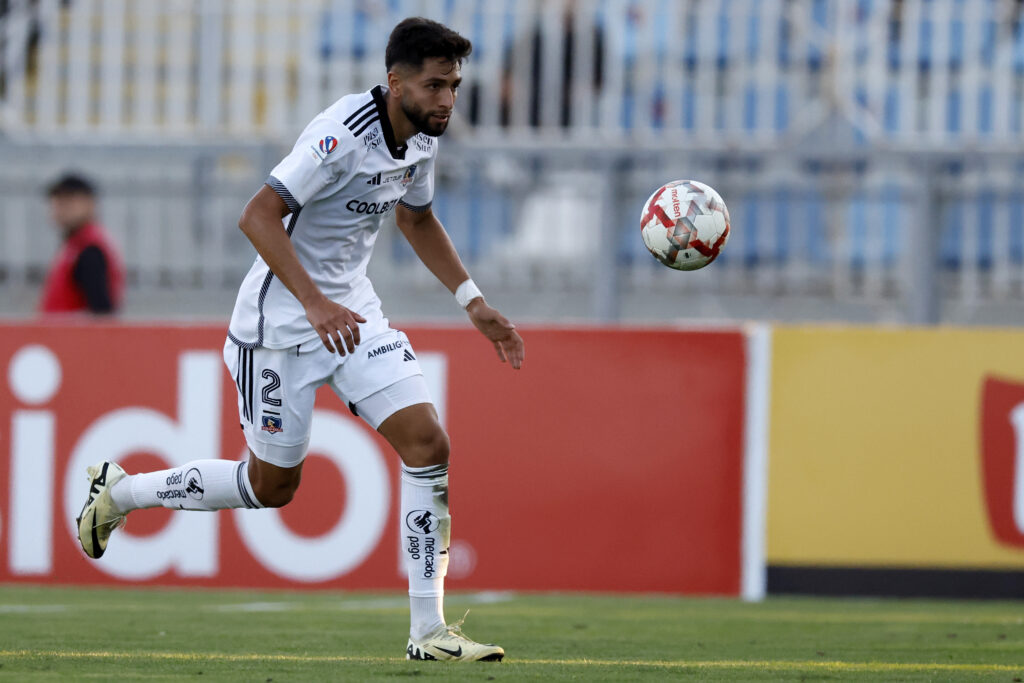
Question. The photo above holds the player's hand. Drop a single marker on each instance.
(335, 323)
(499, 330)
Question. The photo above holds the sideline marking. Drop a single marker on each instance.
(357, 604)
(32, 609)
(773, 664)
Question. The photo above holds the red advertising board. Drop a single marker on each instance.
(612, 461)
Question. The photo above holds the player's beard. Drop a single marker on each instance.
(420, 119)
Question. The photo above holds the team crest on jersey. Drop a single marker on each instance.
(328, 144)
(272, 424)
(410, 173)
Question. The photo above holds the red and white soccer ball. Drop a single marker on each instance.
(685, 224)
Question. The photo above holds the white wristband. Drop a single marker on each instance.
(466, 292)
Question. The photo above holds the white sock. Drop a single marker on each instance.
(426, 530)
(198, 485)
(426, 615)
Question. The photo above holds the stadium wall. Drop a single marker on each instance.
(613, 462)
(897, 462)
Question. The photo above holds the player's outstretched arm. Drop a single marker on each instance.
(261, 223)
(432, 245)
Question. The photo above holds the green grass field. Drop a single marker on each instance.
(75, 633)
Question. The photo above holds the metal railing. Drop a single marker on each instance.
(821, 237)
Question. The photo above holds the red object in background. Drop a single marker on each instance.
(611, 462)
(61, 294)
(1002, 415)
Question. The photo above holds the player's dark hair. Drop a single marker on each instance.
(416, 39)
(69, 184)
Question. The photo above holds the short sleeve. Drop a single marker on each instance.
(421, 190)
(317, 160)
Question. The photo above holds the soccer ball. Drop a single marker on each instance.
(685, 224)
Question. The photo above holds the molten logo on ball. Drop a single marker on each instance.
(685, 224)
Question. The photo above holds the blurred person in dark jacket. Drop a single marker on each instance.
(86, 275)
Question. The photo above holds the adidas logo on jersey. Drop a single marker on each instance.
(375, 180)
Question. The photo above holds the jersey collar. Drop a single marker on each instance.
(397, 151)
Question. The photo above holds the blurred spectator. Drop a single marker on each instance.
(570, 53)
(86, 274)
(531, 46)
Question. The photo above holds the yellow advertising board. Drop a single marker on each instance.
(896, 448)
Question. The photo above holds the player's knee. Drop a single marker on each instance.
(275, 494)
(428, 448)
(440, 447)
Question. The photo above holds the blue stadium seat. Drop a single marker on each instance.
(956, 43)
(925, 29)
(953, 108)
(1018, 48)
(891, 114)
(1017, 229)
(819, 16)
(723, 39)
(985, 112)
(750, 108)
(951, 234)
(818, 250)
(989, 37)
(781, 118)
(985, 204)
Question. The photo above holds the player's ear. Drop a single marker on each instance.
(395, 82)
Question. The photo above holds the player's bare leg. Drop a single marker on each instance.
(274, 486)
(425, 524)
(197, 485)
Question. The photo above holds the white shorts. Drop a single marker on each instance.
(277, 388)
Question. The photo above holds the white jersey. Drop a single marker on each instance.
(344, 174)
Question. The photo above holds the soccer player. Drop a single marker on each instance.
(307, 315)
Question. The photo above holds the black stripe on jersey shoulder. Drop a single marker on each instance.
(359, 111)
(361, 118)
(282, 191)
(357, 123)
(415, 209)
(373, 120)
